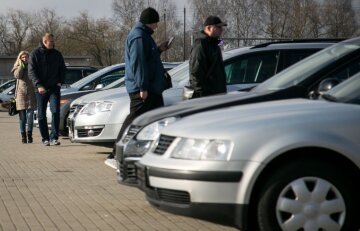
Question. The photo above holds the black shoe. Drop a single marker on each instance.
(29, 137)
(23, 138)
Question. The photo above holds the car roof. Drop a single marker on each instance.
(282, 45)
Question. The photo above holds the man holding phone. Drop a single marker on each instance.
(145, 75)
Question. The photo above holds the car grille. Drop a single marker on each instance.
(173, 196)
(85, 132)
(76, 108)
(132, 131)
(128, 171)
(163, 144)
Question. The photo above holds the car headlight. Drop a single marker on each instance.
(152, 131)
(95, 107)
(200, 149)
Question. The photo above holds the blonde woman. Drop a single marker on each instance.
(24, 96)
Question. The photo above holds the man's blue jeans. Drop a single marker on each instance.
(52, 97)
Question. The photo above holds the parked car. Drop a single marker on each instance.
(289, 165)
(339, 61)
(92, 80)
(84, 86)
(104, 83)
(108, 82)
(274, 57)
(247, 67)
(6, 95)
(7, 84)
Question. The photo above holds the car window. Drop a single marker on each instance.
(307, 67)
(105, 78)
(347, 91)
(254, 68)
(347, 71)
(293, 56)
(71, 76)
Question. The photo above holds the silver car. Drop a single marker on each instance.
(281, 165)
(245, 67)
(303, 79)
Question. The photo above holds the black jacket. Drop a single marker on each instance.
(46, 67)
(207, 72)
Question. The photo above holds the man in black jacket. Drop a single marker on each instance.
(47, 70)
(207, 72)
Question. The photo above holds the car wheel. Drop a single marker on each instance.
(308, 195)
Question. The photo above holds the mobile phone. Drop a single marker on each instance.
(170, 41)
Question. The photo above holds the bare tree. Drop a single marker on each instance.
(96, 38)
(127, 12)
(46, 21)
(340, 18)
(245, 20)
(15, 30)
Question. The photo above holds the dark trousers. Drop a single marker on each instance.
(52, 97)
(138, 107)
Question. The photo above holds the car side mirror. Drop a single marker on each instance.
(99, 86)
(323, 87)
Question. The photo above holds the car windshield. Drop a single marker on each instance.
(180, 74)
(346, 92)
(297, 73)
(92, 76)
(116, 83)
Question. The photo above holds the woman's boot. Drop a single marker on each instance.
(23, 138)
(29, 137)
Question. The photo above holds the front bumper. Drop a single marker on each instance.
(205, 195)
(126, 157)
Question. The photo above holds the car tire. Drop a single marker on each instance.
(308, 195)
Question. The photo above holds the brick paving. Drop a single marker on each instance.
(68, 187)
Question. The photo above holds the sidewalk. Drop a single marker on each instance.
(68, 187)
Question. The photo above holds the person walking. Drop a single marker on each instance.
(206, 66)
(47, 70)
(24, 97)
(145, 74)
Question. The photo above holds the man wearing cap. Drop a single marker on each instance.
(207, 72)
(144, 71)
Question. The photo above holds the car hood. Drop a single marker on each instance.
(105, 95)
(256, 118)
(74, 95)
(68, 90)
(214, 102)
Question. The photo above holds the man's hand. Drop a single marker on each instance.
(164, 46)
(143, 95)
(41, 90)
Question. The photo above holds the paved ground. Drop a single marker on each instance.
(68, 187)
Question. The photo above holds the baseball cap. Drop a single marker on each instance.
(214, 20)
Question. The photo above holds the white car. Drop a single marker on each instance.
(97, 117)
(281, 165)
(244, 67)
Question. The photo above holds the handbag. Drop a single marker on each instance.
(188, 92)
(168, 80)
(12, 107)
